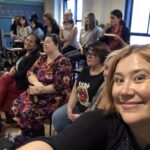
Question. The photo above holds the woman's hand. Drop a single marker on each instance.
(38, 89)
(12, 71)
(72, 116)
(107, 26)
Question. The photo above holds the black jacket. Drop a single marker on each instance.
(24, 65)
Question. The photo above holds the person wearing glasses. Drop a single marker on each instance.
(84, 89)
(49, 80)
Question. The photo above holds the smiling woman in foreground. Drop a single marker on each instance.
(125, 124)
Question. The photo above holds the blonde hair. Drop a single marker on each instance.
(103, 101)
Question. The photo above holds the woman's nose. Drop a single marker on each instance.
(127, 90)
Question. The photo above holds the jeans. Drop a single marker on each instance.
(60, 118)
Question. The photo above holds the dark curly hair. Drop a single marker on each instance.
(100, 49)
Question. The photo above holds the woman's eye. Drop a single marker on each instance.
(118, 80)
(139, 78)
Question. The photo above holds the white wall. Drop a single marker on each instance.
(55, 7)
(102, 8)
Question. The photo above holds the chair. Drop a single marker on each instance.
(5, 51)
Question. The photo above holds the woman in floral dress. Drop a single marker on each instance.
(49, 80)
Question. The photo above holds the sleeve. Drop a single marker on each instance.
(29, 30)
(62, 75)
(35, 68)
(89, 132)
(96, 34)
(23, 70)
(40, 33)
(126, 35)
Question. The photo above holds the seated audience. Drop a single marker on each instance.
(84, 89)
(49, 88)
(14, 82)
(36, 29)
(116, 34)
(125, 123)
(50, 25)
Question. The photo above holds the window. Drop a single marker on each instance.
(138, 21)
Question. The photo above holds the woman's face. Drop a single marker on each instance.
(87, 20)
(67, 16)
(114, 20)
(33, 24)
(22, 21)
(46, 21)
(49, 45)
(92, 59)
(131, 89)
(107, 67)
(29, 43)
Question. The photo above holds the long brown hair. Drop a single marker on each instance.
(92, 24)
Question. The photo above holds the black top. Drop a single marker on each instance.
(94, 131)
(24, 65)
(55, 29)
(87, 86)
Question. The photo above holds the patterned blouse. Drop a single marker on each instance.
(30, 109)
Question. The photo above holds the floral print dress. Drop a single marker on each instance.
(30, 110)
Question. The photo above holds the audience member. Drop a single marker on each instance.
(23, 28)
(116, 34)
(13, 28)
(35, 17)
(49, 88)
(100, 99)
(51, 25)
(68, 35)
(14, 82)
(125, 124)
(85, 88)
(36, 29)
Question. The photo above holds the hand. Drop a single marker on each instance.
(12, 71)
(73, 117)
(107, 26)
(35, 89)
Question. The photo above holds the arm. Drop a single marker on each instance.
(61, 35)
(73, 33)
(87, 133)
(72, 102)
(26, 64)
(61, 78)
(36, 145)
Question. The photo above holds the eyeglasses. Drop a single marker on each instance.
(91, 54)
